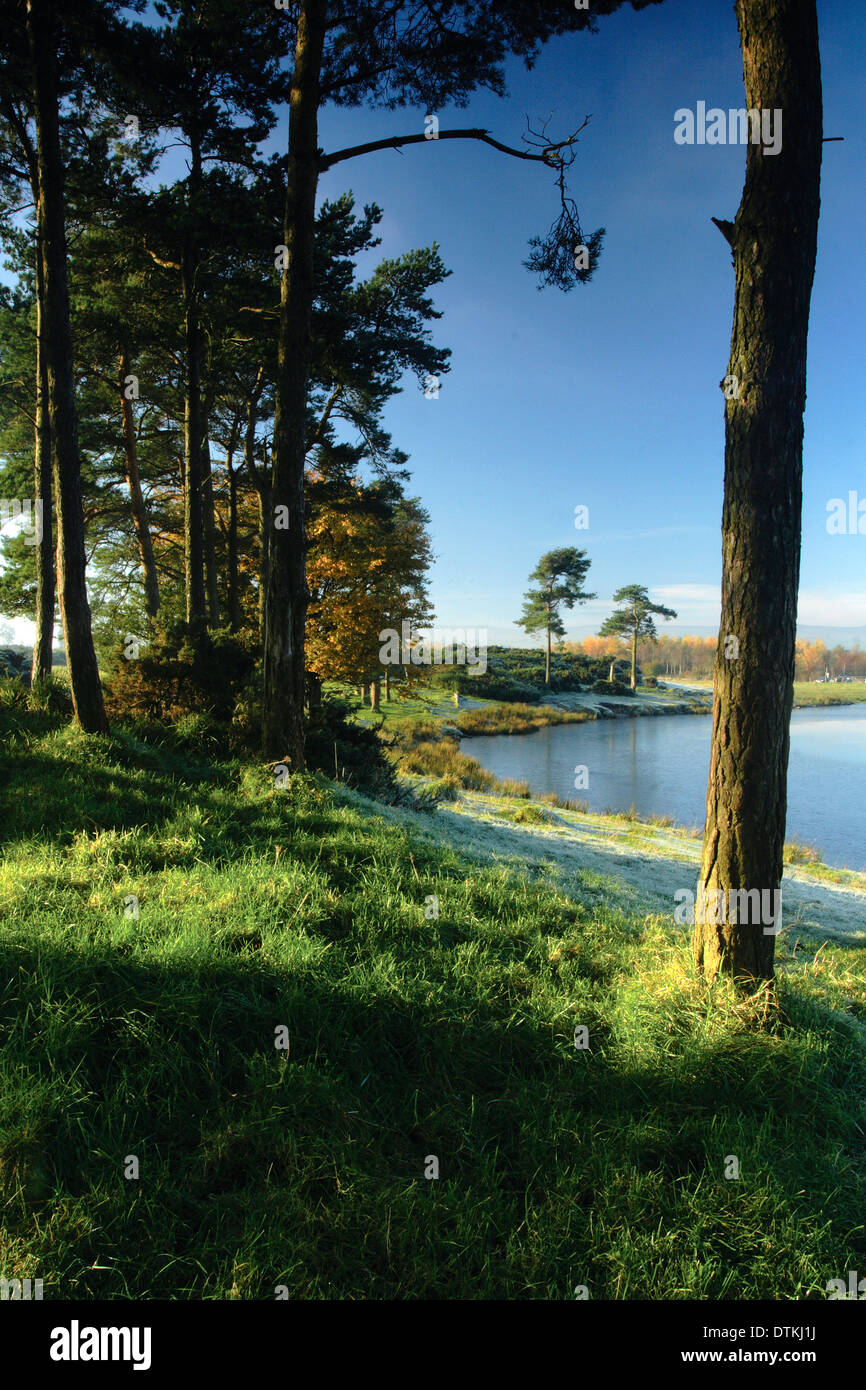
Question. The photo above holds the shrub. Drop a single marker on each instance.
(349, 752)
(182, 671)
(611, 688)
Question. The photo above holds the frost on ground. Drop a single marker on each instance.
(638, 866)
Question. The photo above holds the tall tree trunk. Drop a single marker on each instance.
(547, 663)
(634, 660)
(43, 642)
(133, 482)
(774, 243)
(287, 593)
(84, 680)
(233, 578)
(209, 532)
(193, 533)
(266, 519)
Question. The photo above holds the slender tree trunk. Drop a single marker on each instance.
(774, 243)
(193, 532)
(547, 663)
(266, 516)
(234, 599)
(374, 695)
(133, 482)
(209, 532)
(387, 687)
(43, 642)
(287, 593)
(84, 680)
(634, 660)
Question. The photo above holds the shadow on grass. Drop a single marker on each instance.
(305, 1167)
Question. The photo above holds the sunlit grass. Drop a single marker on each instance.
(412, 1032)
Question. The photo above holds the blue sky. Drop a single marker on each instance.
(608, 397)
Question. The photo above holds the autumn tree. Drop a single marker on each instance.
(360, 52)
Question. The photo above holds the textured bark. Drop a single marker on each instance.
(287, 593)
(774, 243)
(136, 497)
(84, 681)
(43, 641)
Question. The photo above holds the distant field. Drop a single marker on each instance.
(810, 692)
(429, 699)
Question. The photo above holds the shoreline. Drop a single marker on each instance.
(649, 860)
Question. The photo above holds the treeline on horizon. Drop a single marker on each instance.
(694, 656)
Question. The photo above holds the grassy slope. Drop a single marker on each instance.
(408, 1037)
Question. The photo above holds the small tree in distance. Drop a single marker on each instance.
(634, 619)
(559, 576)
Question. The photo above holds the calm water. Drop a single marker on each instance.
(660, 766)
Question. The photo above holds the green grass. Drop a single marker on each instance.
(410, 1035)
(516, 718)
(810, 693)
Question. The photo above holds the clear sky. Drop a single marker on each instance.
(608, 397)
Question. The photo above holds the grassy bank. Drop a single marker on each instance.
(808, 693)
(409, 1035)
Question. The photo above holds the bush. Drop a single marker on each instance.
(15, 663)
(182, 671)
(611, 688)
(349, 752)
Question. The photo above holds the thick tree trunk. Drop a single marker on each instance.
(774, 244)
(43, 641)
(374, 695)
(133, 482)
(287, 593)
(84, 681)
